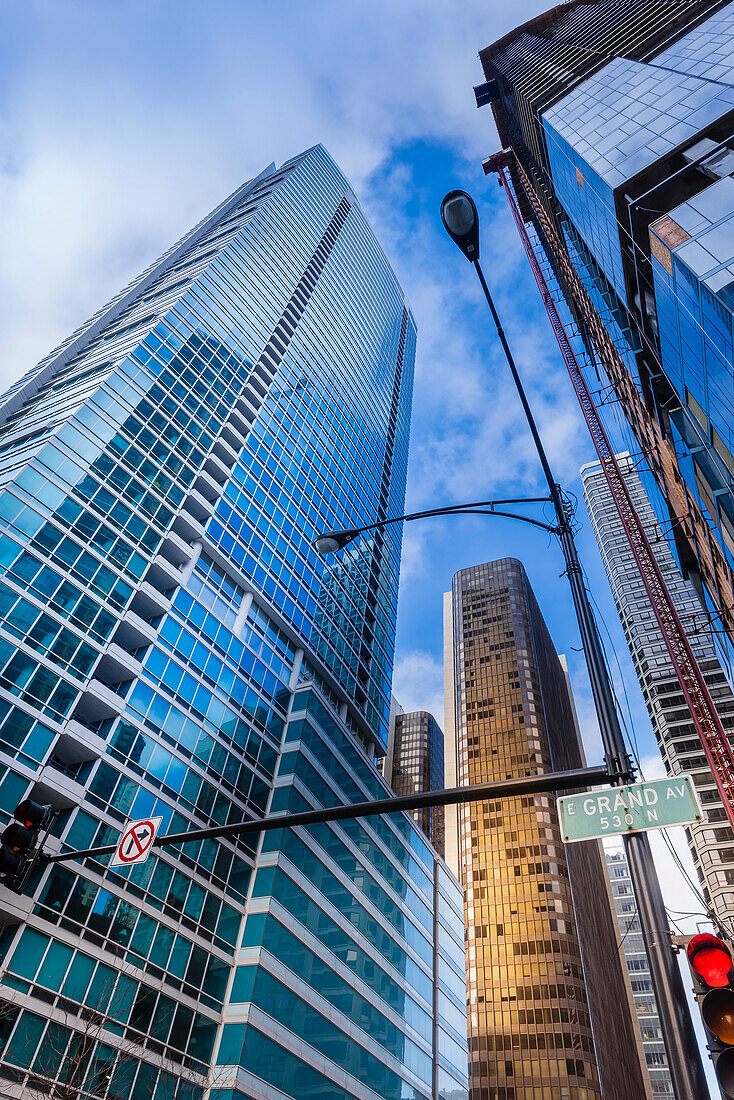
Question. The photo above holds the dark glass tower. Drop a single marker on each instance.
(621, 115)
(416, 764)
(548, 1005)
(171, 645)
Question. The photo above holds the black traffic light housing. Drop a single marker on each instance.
(711, 961)
(19, 840)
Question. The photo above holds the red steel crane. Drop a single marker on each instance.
(706, 720)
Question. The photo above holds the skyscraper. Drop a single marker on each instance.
(170, 645)
(620, 115)
(711, 841)
(414, 762)
(549, 1010)
(633, 947)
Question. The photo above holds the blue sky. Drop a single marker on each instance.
(123, 122)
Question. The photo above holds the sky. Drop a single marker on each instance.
(123, 122)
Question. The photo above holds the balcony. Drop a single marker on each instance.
(163, 576)
(217, 469)
(147, 606)
(175, 550)
(77, 744)
(232, 437)
(14, 909)
(56, 789)
(224, 452)
(209, 489)
(117, 666)
(97, 702)
(134, 633)
(241, 417)
(188, 528)
(197, 506)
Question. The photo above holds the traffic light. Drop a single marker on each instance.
(712, 967)
(19, 839)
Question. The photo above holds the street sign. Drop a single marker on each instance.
(629, 809)
(136, 842)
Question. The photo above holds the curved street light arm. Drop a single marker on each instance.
(466, 510)
(478, 508)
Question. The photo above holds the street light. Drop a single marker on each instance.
(460, 217)
(461, 221)
(329, 542)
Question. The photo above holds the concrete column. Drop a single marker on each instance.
(188, 568)
(296, 670)
(242, 614)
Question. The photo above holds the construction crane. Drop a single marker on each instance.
(706, 720)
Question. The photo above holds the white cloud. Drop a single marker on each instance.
(112, 146)
(414, 558)
(418, 683)
(652, 767)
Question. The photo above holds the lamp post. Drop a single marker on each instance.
(461, 220)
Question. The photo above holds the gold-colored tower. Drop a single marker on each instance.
(549, 1007)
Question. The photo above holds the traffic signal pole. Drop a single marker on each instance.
(681, 1047)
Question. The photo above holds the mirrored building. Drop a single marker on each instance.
(549, 1007)
(620, 114)
(171, 645)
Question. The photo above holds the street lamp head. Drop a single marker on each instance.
(331, 541)
(461, 221)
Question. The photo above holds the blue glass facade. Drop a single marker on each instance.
(693, 270)
(367, 918)
(171, 645)
(660, 129)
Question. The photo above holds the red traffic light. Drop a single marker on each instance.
(32, 814)
(710, 958)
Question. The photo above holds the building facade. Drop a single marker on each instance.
(545, 984)
(414, 762)
(170, 645)
(620, 114)
(711, 841)
(633, 946)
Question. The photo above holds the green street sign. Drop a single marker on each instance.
(629, 809)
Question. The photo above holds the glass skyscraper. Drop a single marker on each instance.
(549, 1009)
(414, 762)
(170, 645)
(621, 116)
(711, 841)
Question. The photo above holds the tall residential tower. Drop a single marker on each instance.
(170, 645)
(549, 1007)
(711, 841)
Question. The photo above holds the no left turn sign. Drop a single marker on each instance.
(136, 842)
